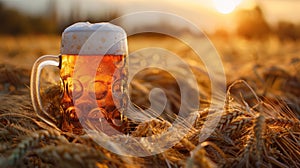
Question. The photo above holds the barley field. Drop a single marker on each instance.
(259, 124)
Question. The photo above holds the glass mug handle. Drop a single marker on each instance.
(42, 62)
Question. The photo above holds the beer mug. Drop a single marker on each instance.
(93, 71)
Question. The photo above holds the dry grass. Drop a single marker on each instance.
(259, 126)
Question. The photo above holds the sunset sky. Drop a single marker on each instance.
(204, 13)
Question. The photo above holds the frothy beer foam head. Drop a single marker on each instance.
(84, 38)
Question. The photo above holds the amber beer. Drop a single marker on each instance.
(93, 72)
(107, 87)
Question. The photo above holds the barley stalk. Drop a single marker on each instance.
(236, 126)
(28, 143)
(76, 155)
(282, 122)
(228, 117)
(258, 133)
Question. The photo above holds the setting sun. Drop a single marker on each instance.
(226, 6)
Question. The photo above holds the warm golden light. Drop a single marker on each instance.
(226, 6)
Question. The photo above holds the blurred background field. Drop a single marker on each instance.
(251, 33)
(258, 42)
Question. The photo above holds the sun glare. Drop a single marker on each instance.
(226, 6)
